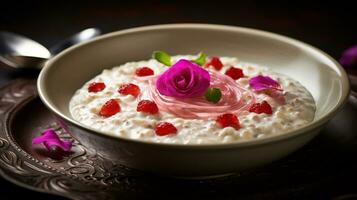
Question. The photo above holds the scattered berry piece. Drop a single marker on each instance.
(227, 120)
(165, 128)
(215, 62)
(129, 88)
(96, 87)
(147, 106)
(234, 73)
(262, 107)
(144, 71)
(110, 108)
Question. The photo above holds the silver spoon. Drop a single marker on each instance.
(20, 52)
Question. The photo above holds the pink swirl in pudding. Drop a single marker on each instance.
(232, 100)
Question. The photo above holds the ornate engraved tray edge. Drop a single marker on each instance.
(19, 167)
(24, 91)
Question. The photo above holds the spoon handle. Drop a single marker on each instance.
(82, 36)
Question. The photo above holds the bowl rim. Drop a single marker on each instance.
(240, 143)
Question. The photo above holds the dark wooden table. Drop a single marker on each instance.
(329, 26)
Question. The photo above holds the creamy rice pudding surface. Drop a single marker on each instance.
(269, 106)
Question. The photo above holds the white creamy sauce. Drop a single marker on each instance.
(298, 110)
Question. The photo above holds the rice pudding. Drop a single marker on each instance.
(222, 101)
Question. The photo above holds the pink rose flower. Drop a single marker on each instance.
(183, 79)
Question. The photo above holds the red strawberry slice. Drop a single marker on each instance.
(147, 106)
(215, 62)
(234, 73)
(228, 120)
(144, 71)
(96, 87)
(165, 128)
(129, 89)
(110, 108)
(262, 107)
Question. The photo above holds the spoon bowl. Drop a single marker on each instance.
(18, 51)
(21, 52)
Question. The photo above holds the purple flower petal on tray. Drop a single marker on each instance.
(264, 83)
(183, 79)
(49, 138)
(349, 57)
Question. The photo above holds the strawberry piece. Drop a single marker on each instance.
(262, 107)
(266, 108)
(110, 108)
(144, 71)
(255, 108)
(165, 128)
(234, 73)
(147, 106)
(227, 120)
(129, 89)
(215, 62)
(96, 87)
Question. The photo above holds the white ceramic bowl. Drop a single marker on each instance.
(317, 71)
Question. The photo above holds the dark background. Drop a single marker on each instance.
(330, 26)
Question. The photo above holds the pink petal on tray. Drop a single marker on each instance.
(349, 57)
(49, 138)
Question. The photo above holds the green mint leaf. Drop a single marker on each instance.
(201, 59)
(213, 95)
(162, 57)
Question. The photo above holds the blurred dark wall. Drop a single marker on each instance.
(320, 24)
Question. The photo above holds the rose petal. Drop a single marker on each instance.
(183, 79)
(49, 138)
(181, 82)
(262, 83)
(349, 57)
